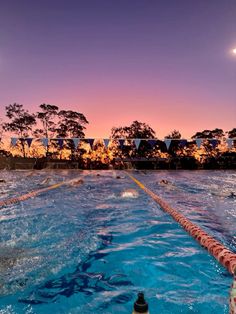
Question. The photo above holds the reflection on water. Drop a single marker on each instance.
(89, 249)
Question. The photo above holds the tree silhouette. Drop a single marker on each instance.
(68, 124)
(47, 117)
(232, 133)
(3, 152)
(21, 122)
(137, 130)
(216, 133)
(210, 150)
(99, 157)
(175, 134)
(1, 130)
(174, 148)
(71, 124)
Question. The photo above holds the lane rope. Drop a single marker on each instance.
(17, 199)
(223, 255)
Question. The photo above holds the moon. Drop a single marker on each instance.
(234, 51)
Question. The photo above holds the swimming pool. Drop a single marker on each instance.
(87, 249)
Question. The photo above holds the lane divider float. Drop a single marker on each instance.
(34, 193)
(223, 255)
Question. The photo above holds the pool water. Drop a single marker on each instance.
(86, 249)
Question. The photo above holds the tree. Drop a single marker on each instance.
(210, 150)
(47, 117)
(175, 134)
(71, 124)
(175, 148)
(21, 122)
(137, 130)
(232, 133)
(216, 133)
(99, 157)
(3, 152)
(1, 129)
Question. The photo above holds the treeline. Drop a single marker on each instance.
(51, 125)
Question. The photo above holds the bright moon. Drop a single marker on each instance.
(234, 51)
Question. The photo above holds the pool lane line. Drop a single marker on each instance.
(34, 193)
(223, 255)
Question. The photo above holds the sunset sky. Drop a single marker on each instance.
(164, 62)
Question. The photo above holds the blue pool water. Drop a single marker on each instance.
(87, 249)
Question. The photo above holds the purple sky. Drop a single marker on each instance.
(163, 62)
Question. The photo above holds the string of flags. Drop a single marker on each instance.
(137, 141)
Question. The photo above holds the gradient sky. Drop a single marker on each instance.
(163, 62)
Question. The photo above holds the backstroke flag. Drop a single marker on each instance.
(106, 142)
(44, 141)
(198, 142)
(14, 141)
(167, 142)
(229, 142)
(76, 141)
(121, 142)
(90, 141)
(29, 141)
(152, 142)
(60, 142)
(137, 142)
(213, 142)
(183, 143)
